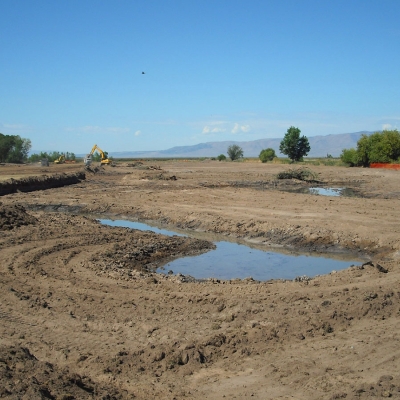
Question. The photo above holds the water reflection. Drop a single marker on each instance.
(325, 191)
(234, 260)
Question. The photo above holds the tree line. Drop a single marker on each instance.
(51, 156)
(15, 149)
(293, 145)
(380, 147)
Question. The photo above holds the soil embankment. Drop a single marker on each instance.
(32, 183)
(83, 315)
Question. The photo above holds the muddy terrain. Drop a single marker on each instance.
(83, 314)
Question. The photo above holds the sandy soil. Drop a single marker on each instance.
(83, 315)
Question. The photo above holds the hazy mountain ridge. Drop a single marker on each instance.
(320, 146)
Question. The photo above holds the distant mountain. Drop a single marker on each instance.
(320, 147)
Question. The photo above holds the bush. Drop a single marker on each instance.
(303, 174)
(349, 157)
(267, 155)
(380, 147)
(221, 157)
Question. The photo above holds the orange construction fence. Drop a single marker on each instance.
(383, 165)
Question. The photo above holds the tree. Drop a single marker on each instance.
(235, 152)
(6, 144)
(294, 146)
(221, 157)
(267, 155)
(13, 148)
(380, 147)
(350, 157)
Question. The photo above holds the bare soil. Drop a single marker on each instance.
(83, 314)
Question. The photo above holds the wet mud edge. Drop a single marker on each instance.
(273, 240)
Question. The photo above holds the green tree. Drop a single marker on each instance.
(350, 157)
(6, 144)
(221, 157)
(294, 146)
(267, 155)
(70, 156)
(13, 148)
(235, 152)
(380, 147)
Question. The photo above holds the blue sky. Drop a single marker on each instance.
(215, 70)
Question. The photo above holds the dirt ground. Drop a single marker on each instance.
(83, 314)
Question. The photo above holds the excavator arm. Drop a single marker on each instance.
(104, 159)
(60, 160)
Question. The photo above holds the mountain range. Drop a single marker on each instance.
(320, 145)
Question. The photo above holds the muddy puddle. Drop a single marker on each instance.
(231, 260)
(326, 191)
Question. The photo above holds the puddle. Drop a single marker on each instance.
(140, 226)
(233, 260)
(323, 191)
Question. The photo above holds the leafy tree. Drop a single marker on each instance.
(70, 156)
(294, 146)
(350, 157)
(13, 148)
(221, 157)
(6, 144)
(267, 155)
(235, 152)
(380, 147)
(37, 157)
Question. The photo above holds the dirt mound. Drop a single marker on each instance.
(12, 216)
(33, 183)
(22, 375)
(94, 170)
(158, 176)
(145, 251)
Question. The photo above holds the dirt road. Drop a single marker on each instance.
(83, 315)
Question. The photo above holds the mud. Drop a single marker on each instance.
(83, 315)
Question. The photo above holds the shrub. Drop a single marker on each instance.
(303, 174)
(349, 157)
(267, 155)
(221, 157)
(380, 147)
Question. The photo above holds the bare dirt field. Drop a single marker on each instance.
(83, 314)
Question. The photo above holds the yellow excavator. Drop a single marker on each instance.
(60, 160)
(104, 158)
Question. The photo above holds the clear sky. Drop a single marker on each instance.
(71, 70)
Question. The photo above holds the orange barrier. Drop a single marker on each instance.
(387, 166)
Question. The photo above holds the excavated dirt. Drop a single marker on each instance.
(83, 315)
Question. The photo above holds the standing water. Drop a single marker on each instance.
(233, 260)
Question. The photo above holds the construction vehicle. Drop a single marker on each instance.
(60, 160)
(104, 158)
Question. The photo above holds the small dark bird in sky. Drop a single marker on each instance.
(143, 73)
